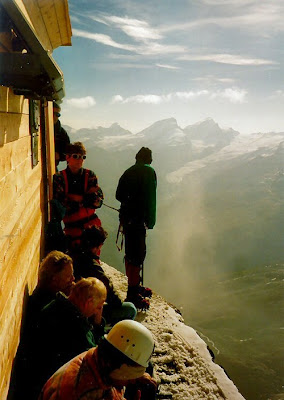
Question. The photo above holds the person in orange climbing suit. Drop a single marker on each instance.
(101, 373)
(77, 189)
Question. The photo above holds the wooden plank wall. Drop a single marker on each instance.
(20, 224)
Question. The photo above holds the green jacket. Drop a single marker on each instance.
(136, 191)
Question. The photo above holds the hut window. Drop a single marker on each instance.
(34, 113)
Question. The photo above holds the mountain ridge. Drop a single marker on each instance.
(180, 151)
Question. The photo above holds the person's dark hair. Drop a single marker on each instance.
(144, 155)
(93, 236)
(76, 148)
(112, 357)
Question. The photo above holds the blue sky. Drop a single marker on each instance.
(136, 62)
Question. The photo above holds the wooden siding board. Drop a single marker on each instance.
(16, 103)
(62, 13)
(21, 219)
(10, 102)
(19, 264)
(14, 154)
(13, 127)
(17, 190)
(37, 22)
(26, 258)
(19, 173)
(4, 98)
(50, 21)
(16, 261)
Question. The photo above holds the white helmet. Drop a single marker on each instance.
(132, 339)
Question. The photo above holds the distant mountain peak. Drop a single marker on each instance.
(114, 130)
(115, 125)
(208, 120)
(170, 122)
(162, 125)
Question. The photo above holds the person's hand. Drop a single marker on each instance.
(146, 379)
(147, 387)
(144, 388)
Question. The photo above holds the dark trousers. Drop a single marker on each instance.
(135, 252)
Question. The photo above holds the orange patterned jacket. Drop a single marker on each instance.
(81, 379)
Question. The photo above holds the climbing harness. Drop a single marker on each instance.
(119, 231)
(121, 235)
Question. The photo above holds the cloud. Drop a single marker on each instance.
(262, 18)
(227, 2)
(154, 48)
(233, 95)
(225, 80)
(212, 79)
(82, 102)
(277, 94)
(227, 59)
(103, 39)
(136, 29)
(191, 95)
(98, 19)
(117, 99)
(146, 99)
(167, 66)
(150, 48)
(115, 66)
(75, 19)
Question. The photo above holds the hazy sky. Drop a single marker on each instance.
(139, 61)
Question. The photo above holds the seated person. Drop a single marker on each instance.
(55, 274)
(102, 372)
(87, 263)
(64, 330)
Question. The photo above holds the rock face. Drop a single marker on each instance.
(182, 363)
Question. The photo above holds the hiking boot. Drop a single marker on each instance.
(141, 303)
(135, 297)
(145, 291)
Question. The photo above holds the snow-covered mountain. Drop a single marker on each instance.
(165, 132)
(180, 151)
(209, 132)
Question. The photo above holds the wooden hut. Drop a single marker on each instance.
(29, 81)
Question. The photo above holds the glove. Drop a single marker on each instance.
(89, 200)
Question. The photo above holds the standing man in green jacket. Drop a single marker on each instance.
(136, 192)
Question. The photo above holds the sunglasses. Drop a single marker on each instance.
(78, 156)
(56, 113)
